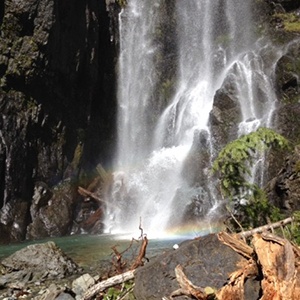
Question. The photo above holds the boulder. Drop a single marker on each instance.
(81, 285)
(36, 263)
(51, 211)
(206, 262)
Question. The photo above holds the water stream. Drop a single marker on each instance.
(215, 42)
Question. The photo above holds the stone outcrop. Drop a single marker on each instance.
(225, 114)
(57, 108)
(283, 185)
(36, 263)
(284, 188)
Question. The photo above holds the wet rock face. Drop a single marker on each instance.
(284, 189)
(287, 74)
(56, 102)
(225, 114)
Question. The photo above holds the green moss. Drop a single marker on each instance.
(126, 292)
(291, 22)
(122, 3)
(290, 100)
(297, 166)
(235, 159)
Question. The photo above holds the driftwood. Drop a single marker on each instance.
(246, 234)
(274, 257)
(117, 279)
(85, 193)
(281, 279)
(118, 263)
(187, 287)
(90, 222)
(142, 254)
(101, 286)
(236, 244)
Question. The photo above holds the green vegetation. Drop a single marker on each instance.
(258, 210)
(235, 159)
(292, 231)
(291, 21)
(233, 166)
(122, 3)
(125, 292)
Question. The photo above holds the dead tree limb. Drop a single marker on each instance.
(236, 244)
(101, 286)
(246, 234)
(90, 222)
(85, 193)
(139, 260)
(119, 264)
(186, 286)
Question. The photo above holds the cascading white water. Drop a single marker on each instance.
(215, 41)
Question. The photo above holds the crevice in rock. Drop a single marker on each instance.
(28, 25)
(2, 178)
(1, 13)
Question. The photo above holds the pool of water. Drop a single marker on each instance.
(89, 250)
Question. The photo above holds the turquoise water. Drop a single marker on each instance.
(88, 250)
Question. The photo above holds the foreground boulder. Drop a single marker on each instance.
(36, 263)
(207, 262)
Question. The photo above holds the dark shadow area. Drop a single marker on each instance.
(1, 13)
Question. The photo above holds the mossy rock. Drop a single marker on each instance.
(290, 21)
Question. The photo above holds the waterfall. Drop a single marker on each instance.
(215, 42)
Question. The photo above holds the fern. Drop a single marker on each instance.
(235, 159)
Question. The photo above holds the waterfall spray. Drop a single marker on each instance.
(215, 41)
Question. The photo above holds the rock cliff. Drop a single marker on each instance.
(57, 103)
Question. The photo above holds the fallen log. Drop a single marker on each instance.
(90, 222)
(101, 286)
(279, 267)
(85, 193)
(246, 234)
